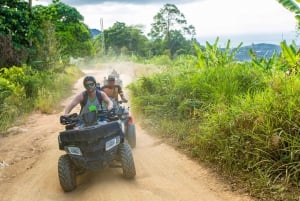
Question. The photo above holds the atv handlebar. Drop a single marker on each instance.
(106, 113)
(69, 119)
(75, 118)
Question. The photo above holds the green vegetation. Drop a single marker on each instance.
(42, 35)
(23, 89)
(35, 47)
(242, 118)
(123, 40)
(168, 37)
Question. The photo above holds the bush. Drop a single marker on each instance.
(241, 118)
(188, 90)
(23, 90)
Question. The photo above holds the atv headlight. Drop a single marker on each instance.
(74, 151)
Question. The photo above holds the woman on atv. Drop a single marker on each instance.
(90, 99)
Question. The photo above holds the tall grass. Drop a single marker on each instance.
(51, 93)
(242, 118)
(23, 89)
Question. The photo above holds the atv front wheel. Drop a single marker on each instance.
(127, 161)
(131, 137)
(66, 173)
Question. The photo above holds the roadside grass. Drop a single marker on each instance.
(54, 91)
(23, 90)
(241, 118)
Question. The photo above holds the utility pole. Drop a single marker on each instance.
(102, 37)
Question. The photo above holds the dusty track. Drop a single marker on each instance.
(162, 172)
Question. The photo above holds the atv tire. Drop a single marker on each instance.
(127, 161)
(131, 137)
(66, 173)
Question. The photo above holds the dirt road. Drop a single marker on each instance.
(28, 159)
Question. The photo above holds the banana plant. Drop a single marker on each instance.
(292, 5)
(201, 60)
(213, 56)
(291, 56)
(289, 52)
(267, 64)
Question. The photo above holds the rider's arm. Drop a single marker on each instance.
(121, 92)
(107, 101)
(75, 101)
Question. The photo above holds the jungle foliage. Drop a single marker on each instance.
(42, 35)
(243, 118)
(35, 46)
(170, 35)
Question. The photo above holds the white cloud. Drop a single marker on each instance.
(211, 18)
(217, 17)
(112, 12)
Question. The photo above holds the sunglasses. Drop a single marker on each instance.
(89, 85)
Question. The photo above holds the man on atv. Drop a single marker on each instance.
(112, 90)
(90, 99)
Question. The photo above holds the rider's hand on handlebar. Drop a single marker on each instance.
(109, 108)
(72, 116)
(65, 115)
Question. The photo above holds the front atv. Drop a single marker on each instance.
(93, 145)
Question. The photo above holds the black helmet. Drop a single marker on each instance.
(89, 78)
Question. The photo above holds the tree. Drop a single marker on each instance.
(74, 37)
(6, 52)
(120, 37)
(58, 33)
(14, 28)
(180, 45)
(169, 20)
(44, 50)
(14, 20)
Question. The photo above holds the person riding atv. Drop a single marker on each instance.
(95, 139)
(90, 99)
(113, 90)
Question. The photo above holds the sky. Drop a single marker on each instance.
(247, 21)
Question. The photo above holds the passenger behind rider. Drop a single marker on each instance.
(92, 102)
(113, 90)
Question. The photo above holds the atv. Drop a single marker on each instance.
(127, 123)
(92, 141)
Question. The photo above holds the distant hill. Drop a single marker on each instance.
(95, 32)
(262, 50)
